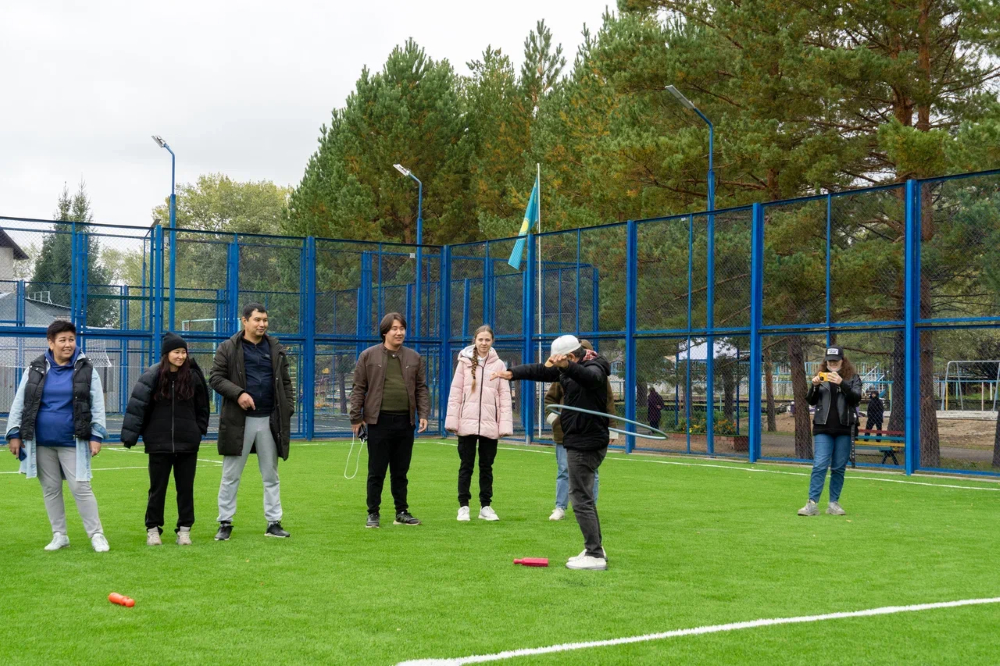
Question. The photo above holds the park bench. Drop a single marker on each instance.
(886, 442)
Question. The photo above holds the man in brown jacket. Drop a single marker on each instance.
(554, 396)
(390, 397)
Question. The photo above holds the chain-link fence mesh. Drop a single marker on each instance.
(795, 262)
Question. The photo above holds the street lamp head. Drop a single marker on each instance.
(159, 141)
(680, 97)
(402, 169)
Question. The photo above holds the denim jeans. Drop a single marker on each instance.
(562, 479)
(831, 452)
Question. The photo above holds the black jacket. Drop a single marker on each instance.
(228, 378)
(848, 397)
(166, 426)
(83, 371)
(584, 385)
(876, 410)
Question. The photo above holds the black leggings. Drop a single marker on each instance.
(467, 454)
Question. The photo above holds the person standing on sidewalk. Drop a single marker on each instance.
(554, 396)
(250, 372)
(390, 396)
(583, 375)
(479, 411)
(169, 409)
(56, 424)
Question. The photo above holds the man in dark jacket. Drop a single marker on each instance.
(390, 396)
(583, 375)
(876, 412)
(251, 374)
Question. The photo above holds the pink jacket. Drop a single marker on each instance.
(486, 410)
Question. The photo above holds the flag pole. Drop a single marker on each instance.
(538, 390)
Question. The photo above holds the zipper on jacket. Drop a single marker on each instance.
(482, 380)
(173, 445)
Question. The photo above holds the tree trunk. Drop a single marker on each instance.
(897, 407)
(930, 441)
(803, 430)
(772, 416)
(342, 382)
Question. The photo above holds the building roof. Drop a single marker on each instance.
(36, 313)
(7, 241)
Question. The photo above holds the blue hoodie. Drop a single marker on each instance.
(54, 425)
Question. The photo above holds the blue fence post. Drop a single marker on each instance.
(156, 284)
(19, 296)
(579, 240)
(631, 287)
(233, 287)
(596, 304)
(756, 320)
(466, 302)
(528, 325)
(444, 320)
(309, 350)
(489, 316)
(710, 340)
(911, 333)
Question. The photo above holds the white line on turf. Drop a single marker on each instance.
(696, 631)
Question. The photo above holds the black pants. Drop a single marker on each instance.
(654, 419)
(582, 466)
(184, 466)
(390, 445)
(467, 454)
(872, 424)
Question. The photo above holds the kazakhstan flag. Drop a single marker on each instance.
(530, 221)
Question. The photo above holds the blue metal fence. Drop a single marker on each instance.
(713, 322)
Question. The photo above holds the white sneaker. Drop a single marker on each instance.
(152, 537)
(99, 543)
(59, 541)
(810, 509)
(487, 513)
(463, 514)
(587, 563)
(835, 509)
(583, 553)
(557, 514)
(184, 536)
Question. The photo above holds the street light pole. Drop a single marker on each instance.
(710, 287)
(173, 226)
(420, 239)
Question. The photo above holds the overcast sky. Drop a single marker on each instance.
(237, 88)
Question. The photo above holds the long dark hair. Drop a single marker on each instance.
(183, 381)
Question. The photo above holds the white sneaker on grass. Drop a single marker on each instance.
(59, 541)
(835, 509)
(487, 513)
(558, 514)
(463, 514)
(583, 553)
(587, 563)
(184, 536)
(99, 543)
(809, 509)
(152, 537)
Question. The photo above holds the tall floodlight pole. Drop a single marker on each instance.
(420, 239)
(710, 291)
(173, 226)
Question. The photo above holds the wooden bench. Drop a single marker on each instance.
(886, 442)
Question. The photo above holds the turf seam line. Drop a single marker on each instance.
(697, 631)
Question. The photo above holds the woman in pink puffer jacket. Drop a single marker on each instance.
(479, 410)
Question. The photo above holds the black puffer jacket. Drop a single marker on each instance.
(166, 426)
(848, 397)
(584, 385)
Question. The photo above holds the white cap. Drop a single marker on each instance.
(565, 344)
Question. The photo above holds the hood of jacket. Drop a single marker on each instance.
(467, 355)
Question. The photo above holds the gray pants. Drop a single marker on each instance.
(257, 433)
(582, 471)
(56, 463)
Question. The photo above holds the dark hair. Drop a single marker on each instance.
(846, 370)
(250, 307)
(59, 326)
(183, 380)
(388, 321)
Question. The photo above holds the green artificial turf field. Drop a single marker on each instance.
(690, 542)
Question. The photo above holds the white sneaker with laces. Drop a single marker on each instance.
(835, 509)
(152, 537)
(487, 513)
(99, 543)
(59, 541)
(583, 553)
(587, 563)
(809, 509)
(463, 514)
(557, 514)
(184, 536)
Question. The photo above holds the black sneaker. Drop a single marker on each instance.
(373, 519)
(225, 531)
(274, 530)
(404, 518)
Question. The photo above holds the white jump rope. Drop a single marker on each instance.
(357, 461)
